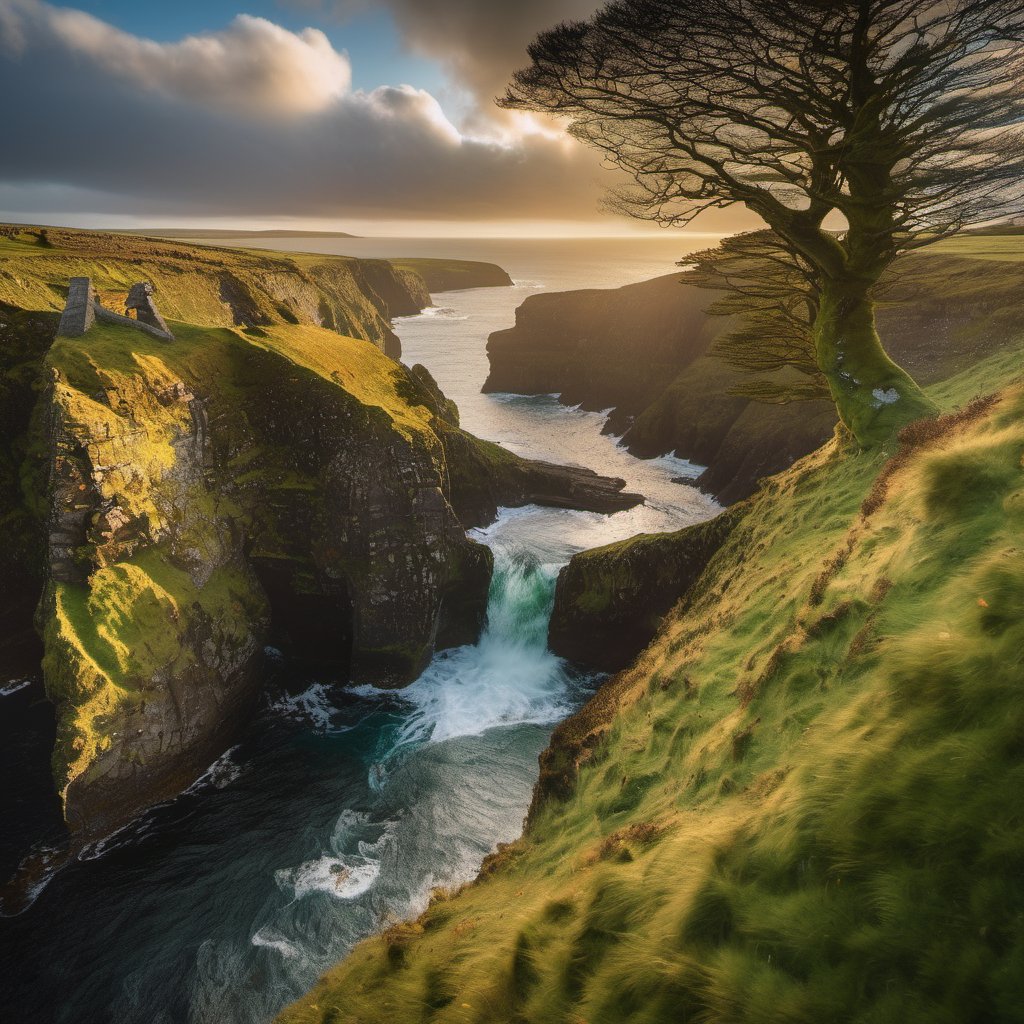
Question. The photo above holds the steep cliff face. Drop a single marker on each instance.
(800, 802)
(205, 492)
(643, 349)
(153, 620)
(603, 347)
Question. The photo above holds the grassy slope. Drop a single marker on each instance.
(803, 803)
(201, 284)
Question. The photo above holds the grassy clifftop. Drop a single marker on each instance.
(211, 286)
(802, 803)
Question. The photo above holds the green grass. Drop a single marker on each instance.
(205, 285)
(803, 803)
(1008, 248)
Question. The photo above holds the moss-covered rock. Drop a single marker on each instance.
(153, 620)
(610, 601)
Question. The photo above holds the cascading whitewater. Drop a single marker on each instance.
(509, 677)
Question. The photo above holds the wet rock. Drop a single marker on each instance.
(609, 601)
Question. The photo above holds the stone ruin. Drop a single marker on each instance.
(83, 309)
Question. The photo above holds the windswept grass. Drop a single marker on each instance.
(803, 803)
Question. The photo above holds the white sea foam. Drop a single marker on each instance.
(313, 705)
(343, 878)
(221, 773)
(126, 835)
(432, 312)
(269, 939)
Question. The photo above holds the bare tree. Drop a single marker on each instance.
(901, 119)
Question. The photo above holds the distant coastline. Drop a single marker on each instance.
(227, 233)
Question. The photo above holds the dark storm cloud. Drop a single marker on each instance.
(252, 120)
(481, 43)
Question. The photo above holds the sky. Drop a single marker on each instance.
(371, 117)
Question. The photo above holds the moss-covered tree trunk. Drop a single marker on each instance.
(873, 396)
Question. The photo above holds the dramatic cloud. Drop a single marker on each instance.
(253, 120)
(480, 43)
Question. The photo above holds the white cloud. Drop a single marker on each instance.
(252, 66)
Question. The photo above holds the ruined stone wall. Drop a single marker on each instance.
(83, 308)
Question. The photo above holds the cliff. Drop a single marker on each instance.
(642, 350)
(182, 502)
(801, 800)
(451, 275)
(603, 347)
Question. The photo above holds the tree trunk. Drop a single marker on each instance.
(873, 396)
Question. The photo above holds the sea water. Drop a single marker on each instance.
(341, 810)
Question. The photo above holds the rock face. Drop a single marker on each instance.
(603, 347)
(644, 350)
(609, 601)
(154, 621)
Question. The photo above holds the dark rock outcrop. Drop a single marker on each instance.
(603, 347)
(24, 340)
(609, 601)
